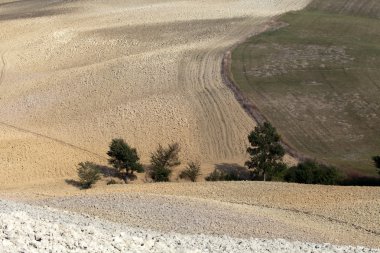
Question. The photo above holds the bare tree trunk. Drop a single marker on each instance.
(265, 177)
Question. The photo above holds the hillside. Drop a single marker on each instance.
(317, 81)
(75, 74)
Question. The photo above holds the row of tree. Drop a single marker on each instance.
(126, 161)
(266, 162)
(162, 162)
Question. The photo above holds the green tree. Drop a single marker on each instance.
(123, 157)
(311, 172)
(88, 174)
(191, 172)
(265, 152)
(163, 160)
(376, 160)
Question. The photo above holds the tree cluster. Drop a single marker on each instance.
(265, 163)
(311, 172)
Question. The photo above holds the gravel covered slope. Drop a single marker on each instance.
(26, 228)
(312, 213)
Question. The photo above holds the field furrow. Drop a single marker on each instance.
(146, 71)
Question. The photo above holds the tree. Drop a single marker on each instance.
(163, 160)
(265, 152)
(376, 160)
(123, 157)
(88, 174)
(191, 172)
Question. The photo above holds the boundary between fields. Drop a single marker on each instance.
(249, 107)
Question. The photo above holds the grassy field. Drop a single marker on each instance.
(318, 81)
(366, 8)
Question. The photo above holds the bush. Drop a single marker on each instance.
(376, 161)
(160, 174)
(191, 172)
(216, 175)
(311, 172)
(113, 181)
(226, 175)
(88, 174)
(163, 160)
(360, 181)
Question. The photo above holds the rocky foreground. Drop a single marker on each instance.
(25, 228)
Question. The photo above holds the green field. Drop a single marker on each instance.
(318, 81)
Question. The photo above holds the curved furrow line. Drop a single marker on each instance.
(4, 64)
(224, 124)
(214, 111)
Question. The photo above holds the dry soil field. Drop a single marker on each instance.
(75, 74)
(305, 213)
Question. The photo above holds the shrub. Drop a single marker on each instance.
(123, 157)
(112, 181)
(160, 174)
(360, 181)
(376, 161)
(163, 160)
(216, 175)
(191, 172)
(88, 174)
(311, 172)
(226, 175)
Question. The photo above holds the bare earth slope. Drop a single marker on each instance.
(75, 74)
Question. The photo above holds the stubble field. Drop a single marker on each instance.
(317, 81)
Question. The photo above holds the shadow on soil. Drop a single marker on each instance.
(234, 172)
(361, 181)
(73, 182)
(34, 14)
(114, 176)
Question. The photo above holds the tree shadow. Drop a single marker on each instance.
(111, 172)
(234, 171)
(74, 183)
(359, 180)
(107, 171)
